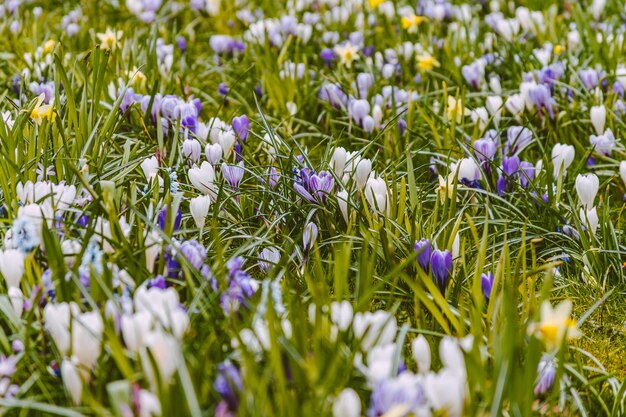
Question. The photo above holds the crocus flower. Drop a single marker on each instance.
(228, 384)
(487, 281)
(241, 126)
(441, 263)
(233, 173)
(546, 372)
(424, 250)
(587, 188)
(555, 324)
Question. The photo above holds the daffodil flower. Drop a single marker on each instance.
(426, 62)
(456, 110)
(110, 39)
(411, 22)
(42, 111)
(555, 324)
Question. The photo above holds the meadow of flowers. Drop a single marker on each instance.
(312, 208)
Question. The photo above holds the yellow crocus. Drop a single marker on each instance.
(42, 111)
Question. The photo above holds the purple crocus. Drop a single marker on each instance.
(241, 126)
(424, 250)
(233, 173)
(222, 89)
(546, 372)
(485, 149)
(517, 138)
(228, 384)
(441, 263)
(542, 99)
(510, 165)
(527, 173)
(194, 252)
(487, 281)
(163, 218)
(321, 185)
(328, 55)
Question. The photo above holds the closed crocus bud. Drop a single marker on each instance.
(347, 404)
(546, 372)
(622, 171)
(338, 161)
(363, 170)
(17, 300)
(562, 156)
(441, 263)
(376, 194)
(192, 149)
(135, 328)
(598, 118)
(590, 218)
(424, 250)
(203, 178)
(227, 140)
(309, 236)
(12, 266)
(467, 169)
(71, 379)
(515, 104)
(213, 152)
(199, 207)
(87, 331)
(421, 354)
(148, 404)
(161, 349)
(342, 202)
(486, 282)
(587, 188)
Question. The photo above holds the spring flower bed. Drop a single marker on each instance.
(312, 208)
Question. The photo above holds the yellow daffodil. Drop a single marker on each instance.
(558, 49)
(49, 46)
(555, 324)
(110, 39)
(446, 187)
(347, 53)
(411, 22)
(375, 3)
(42, 111)
(456, 110)
(426, 62)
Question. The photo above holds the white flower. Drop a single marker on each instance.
(363, 170)
(587, 187)
(17, 300)
(466, 169)
(376, 195)
(338, 161)
(87, 331)
(135, 327)
(227, 139)
(589, 217)
(199, 207)
(446, 392)
(72, 380)
(213, 152)
(341, 314)
(379, 363)
(149, 404)
(597, 7)
(347, 404)
(421, 354)
(622, 171)
(203, 178)
(515, 105)
(57, 323)
(165, 350)
(562, 156)
(598, 118)
(374, 328)
(12, 266)
(342, 201)
(150, 167)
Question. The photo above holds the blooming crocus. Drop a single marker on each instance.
(400, 396)
(426, 62)
(587, 187)
(515, 105)
(199, 208)
(229, 384)
(424, 250)
(440, 264)
(466, 169)
(598, 118)
(233, 173)
(377, 328)
(203, 178)
(518, 138)
(42, 111)
(562, 157)
(622, 171)
(485, 149)
(487, 281)
(347, 404)
(604, 143)
(555, 324)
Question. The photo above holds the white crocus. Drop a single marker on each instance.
(199, 207)
(203, 178)
(587, 187)
(590, 218)
(347, 404)
(622, 171)
(72, 379)
(598, 118)
(562, 156)
(421, 354)
(12, 266)
(376, 194)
